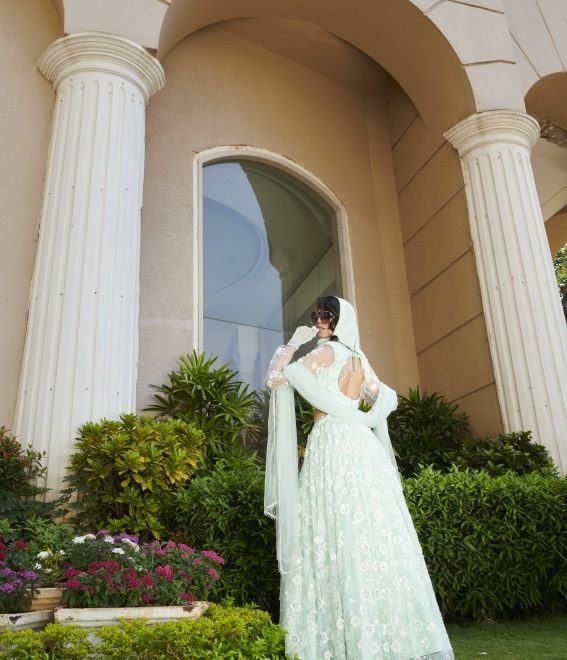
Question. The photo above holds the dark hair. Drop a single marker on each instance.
(330, 304)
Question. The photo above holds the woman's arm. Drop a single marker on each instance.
(319, 358)
(370, 385)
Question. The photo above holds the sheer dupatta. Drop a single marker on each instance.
(281, 488)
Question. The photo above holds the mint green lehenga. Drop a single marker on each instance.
(354, 582)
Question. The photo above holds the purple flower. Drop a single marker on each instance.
(28, 575)
(6, 572)
(128, 537)
(9, 587)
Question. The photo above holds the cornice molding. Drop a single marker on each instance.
(496, 126)
(105, 53)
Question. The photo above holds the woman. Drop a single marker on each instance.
(354, 582)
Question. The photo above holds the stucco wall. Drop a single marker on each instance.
(26, 29)
(222, 90)
(450, 332)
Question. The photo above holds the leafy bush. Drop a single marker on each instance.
(224, 632)
(426, 430)
(125, 473)
(494, 546)
(223, 509)
(512, 451)
(212, 399)
(21, 472)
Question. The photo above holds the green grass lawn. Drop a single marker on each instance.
(544, 639)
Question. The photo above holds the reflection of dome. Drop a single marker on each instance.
(236, 255)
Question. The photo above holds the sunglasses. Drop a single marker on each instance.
(324, 315)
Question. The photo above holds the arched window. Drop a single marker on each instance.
(270, 249)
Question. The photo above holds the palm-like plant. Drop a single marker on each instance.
(213, 399)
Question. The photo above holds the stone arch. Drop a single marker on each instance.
(430, 72)
(546, 100)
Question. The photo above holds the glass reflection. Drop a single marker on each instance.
(269, 250)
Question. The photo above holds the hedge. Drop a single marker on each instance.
(225, 632)
(495, 546)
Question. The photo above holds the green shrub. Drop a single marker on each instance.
(125, 473)
(224, 632)
(495, 546)
(211, 398)
(223, 509)
(512, 451)
(21, 473)
(426, 429)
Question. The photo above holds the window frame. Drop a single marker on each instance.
(278, 161)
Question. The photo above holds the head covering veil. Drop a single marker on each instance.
(347, 327)
(281, 486)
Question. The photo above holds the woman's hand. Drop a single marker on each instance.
(302, 335)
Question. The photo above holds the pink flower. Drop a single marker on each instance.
(186, 596)
(133, 582)
(165, 571)
(72, 584)
(197, 562)
(160, 552)
(185, 548)
(170, 545)
(20, 545)
(212, 555)
(148, 581)
(214, 574)
(72, 572)
(147, 598)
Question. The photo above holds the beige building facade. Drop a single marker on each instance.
(421, 143)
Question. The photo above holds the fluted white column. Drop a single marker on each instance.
(524, 317)
(81, 346)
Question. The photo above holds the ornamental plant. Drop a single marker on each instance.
(124, 473)
(17, 589)
(212, 398)
(18, 584)
(116, 571)
(22, 474)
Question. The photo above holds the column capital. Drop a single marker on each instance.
(104, 53)
(496, 126)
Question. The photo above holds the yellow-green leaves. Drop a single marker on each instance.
(126, 471)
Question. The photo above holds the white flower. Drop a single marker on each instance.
(118, 551)
(89, 537)
(43, 554)
(62, 553)
(79, 539)
(131, 544)
(37, 566)
(108, 539)
(47, 570)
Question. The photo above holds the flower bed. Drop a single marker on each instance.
(116, 571)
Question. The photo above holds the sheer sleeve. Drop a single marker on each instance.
(319, 358)
(280, 359)
(370, 385)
